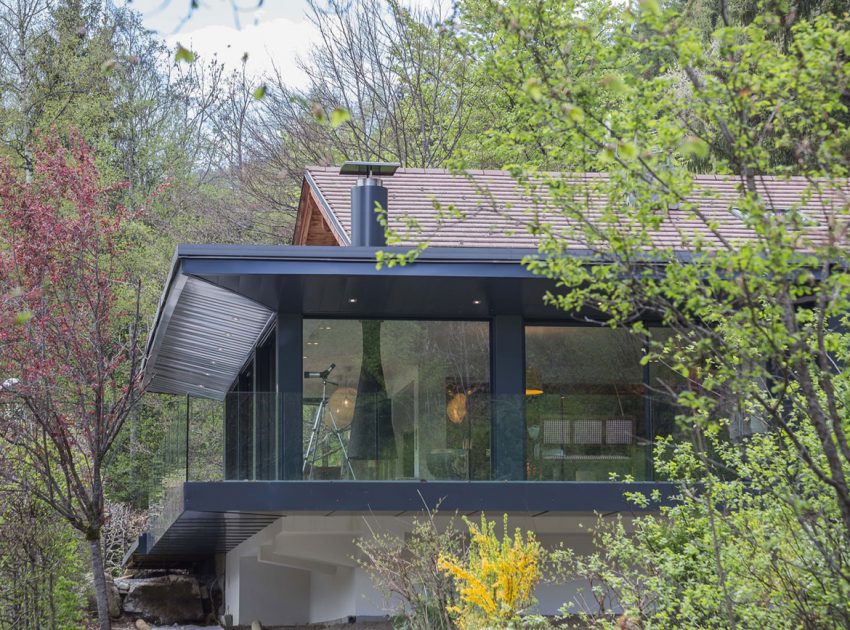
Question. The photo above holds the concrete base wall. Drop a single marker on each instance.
(302, 569)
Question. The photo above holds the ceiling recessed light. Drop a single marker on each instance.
(352, 300)
(476, 301)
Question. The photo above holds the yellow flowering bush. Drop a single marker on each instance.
(496, 578)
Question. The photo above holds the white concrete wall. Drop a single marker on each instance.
(332, 596)
(302, 568)
(273, 595)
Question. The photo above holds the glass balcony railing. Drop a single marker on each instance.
(445, 436)
(212, 440)
(410, 436)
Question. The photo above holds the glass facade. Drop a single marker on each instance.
(592, 410)
(396, 399)
(412, 399)
(250, 424)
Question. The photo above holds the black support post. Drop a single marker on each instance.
(290, 367)
(507, 336)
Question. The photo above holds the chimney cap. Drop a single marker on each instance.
(368, 169)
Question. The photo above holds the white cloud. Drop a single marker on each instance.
(275, 43)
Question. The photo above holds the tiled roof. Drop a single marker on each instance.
(496, 212)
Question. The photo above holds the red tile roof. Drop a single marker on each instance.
(497, 213)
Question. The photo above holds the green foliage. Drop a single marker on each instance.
(405, 571)
(184, 55)
(755, 290)
(754, 551)
(42, 565)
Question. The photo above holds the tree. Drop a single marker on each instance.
(40, 563)
(71, 358)
(385, 82)
(756, 291)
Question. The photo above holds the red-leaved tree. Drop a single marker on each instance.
(69, 333)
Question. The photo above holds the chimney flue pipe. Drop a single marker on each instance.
(366, 196)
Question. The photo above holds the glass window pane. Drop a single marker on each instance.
(245, 431)
(265, 434)
(390, 399)
(587, 415)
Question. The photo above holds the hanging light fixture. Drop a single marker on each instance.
(533, 382)
(341, 404)
(457, 408)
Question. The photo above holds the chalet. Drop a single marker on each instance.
(321, 396)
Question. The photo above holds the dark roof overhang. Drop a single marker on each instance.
(220, 298)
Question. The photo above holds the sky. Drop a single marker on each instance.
(274, 35)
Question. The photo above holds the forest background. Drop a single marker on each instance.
(210, 154)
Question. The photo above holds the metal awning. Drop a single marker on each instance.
(202, 338)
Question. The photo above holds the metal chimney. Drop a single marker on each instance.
(369, 192)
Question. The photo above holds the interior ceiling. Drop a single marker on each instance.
(205, 335)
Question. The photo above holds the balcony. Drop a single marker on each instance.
(223, 457)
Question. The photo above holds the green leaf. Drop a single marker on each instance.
(534, 89)
(694, 147)
(574, 114)
(339, 115)
(23, 317)
(260, 92)
(184, 54)
(652, 6)
(628, 150)
(615, 83)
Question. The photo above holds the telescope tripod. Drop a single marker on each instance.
(320, 432)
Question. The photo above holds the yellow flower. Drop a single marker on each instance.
(496, 578)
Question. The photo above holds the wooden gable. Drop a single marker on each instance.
(311, 227)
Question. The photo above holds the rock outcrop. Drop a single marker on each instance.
(165, 600)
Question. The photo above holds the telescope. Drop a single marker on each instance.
(323, 374)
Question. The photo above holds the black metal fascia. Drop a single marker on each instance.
(167, 301)
(351, 261)
(496, 497)
(512, 255)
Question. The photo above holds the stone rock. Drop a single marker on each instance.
(165, 600)
(141, 624)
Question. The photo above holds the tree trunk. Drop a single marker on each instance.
(101, 596)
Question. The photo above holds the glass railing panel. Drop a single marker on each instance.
(357, 436)
(213, 440)
(249, 434)
(266, 435)
(206, 440)
(169, 467)
(591, 434)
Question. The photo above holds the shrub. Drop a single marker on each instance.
(496, 578)
(406, 572)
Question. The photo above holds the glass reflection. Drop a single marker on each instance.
(403, 400)
(589, 415)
